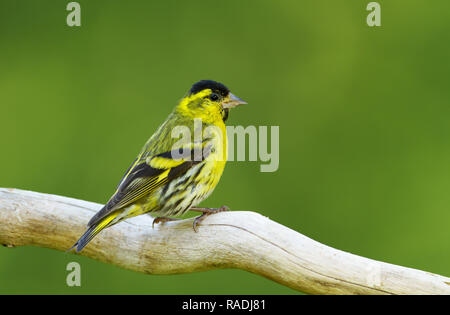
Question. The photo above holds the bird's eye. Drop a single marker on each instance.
(214, 97)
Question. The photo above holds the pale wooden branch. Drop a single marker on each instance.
(235, 239)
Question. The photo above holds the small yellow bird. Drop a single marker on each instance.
(170, 175)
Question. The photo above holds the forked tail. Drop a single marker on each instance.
(92, 231)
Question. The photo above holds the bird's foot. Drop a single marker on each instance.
(162, 220)
(206, 212)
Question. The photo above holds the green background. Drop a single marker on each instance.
(363, 113)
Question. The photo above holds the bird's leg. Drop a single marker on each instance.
(206, 212)
(162, 220)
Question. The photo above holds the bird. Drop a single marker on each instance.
(171, 176)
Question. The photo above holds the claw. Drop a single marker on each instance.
(161, 220)
(206, 212)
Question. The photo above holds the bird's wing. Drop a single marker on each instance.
(146, 175)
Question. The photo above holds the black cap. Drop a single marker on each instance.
(216, 87)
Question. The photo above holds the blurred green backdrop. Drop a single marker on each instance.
(363, 115)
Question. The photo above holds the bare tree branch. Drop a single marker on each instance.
(236, 239)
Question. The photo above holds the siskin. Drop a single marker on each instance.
(171, 176)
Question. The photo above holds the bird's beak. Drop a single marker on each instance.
(233, 101)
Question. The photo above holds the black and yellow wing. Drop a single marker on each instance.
(145, 176)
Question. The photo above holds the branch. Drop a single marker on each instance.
(236, 239)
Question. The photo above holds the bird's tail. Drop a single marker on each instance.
(93, 230)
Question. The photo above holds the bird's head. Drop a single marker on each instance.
(210, 101)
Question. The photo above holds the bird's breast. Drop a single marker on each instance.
(196, 184)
